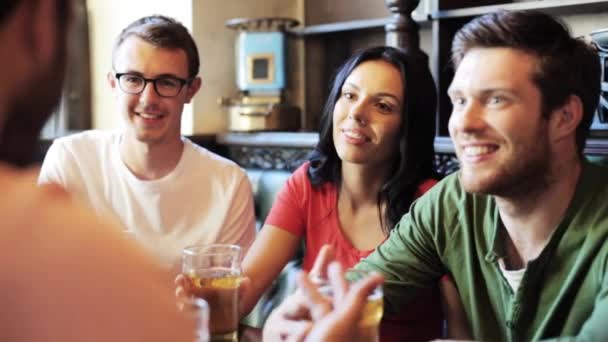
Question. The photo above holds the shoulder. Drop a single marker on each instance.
(592, 189)
(443, 198)
(87, 142)
(89, 137)
(299, 179)
(24, 196)
(320, 198)
(200, 154)
(211, 164)
(29, 213)
(87, 149)
(301, 173)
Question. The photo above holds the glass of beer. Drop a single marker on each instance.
(372, 312)
(215, 273)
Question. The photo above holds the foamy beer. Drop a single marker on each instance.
(372, 312)
(215, 272)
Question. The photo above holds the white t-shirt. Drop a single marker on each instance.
(513, 277)
(205, 199)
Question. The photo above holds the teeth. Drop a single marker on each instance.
(477, 150)
(149, 116)
(353, 135)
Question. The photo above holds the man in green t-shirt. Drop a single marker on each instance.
(522, 226)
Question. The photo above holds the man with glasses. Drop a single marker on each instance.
(164, 189)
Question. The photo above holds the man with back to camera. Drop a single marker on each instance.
(522, 227)
(163, 188)
(66, 274)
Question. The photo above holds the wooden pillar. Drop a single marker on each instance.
(402, 32)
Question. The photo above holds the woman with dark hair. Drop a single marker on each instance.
(373, 159)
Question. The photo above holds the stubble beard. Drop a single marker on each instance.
(525, 176)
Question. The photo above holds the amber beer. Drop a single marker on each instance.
(219, 287)
(372, 312)
(370, 320)
(215, 273)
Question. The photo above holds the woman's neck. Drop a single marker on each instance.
(361, 183)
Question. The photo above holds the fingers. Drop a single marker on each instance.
(181, 280)
(183, 286)
(289, 321)
(294, 307)
(325, 256)
(180, 292)
(339, 285)
(356, 298)
(297, 332)
(287, 330)
(318, 304)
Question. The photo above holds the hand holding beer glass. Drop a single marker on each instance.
(368, 324)
(335, 308)
(214, 272)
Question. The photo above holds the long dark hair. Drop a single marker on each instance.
(414, 162)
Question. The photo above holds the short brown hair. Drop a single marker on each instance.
(163, 32)
(566, 65)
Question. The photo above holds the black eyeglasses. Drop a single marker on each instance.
(167, 86)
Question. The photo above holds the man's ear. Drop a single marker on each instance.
(193, 88)
(111, 79)
(565, 120)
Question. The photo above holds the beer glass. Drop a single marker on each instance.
(215, 272)
(368, 330)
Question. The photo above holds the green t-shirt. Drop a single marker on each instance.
(564, 292)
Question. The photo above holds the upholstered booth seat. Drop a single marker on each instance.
(598, 159)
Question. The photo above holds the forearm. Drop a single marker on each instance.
(268, 255)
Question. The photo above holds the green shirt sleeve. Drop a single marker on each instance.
(595, 328)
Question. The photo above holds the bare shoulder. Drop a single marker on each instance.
(73, 276)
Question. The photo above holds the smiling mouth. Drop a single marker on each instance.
(150, 116)
(478, 151)
(355, 136)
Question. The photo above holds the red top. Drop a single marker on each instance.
(312, 213)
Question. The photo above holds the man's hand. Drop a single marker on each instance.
(325, 256)
(308, 315)
(183, 286)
